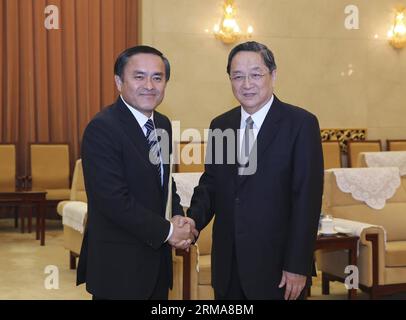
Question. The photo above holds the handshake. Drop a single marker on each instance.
(184, 232)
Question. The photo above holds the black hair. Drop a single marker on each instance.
(122, 59)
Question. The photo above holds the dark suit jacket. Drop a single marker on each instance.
(123, 244)
(270, 217)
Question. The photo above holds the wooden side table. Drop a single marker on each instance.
(340, 242)
(36, 198)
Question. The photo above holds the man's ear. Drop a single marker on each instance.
(273, 75)
(118, 81)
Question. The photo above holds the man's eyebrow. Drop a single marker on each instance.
(257, 69)
(145, 73)
(139, 72)
(252, 69)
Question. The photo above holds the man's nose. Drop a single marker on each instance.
(247, 83)
(149, 84)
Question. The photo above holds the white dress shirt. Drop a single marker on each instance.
(142, 120)
(258, 118)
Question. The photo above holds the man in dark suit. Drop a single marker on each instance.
(267, 203)
(126, 251)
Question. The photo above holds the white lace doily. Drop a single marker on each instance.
(185, 184)
(387, 159)
(74, 215)
(371, 185)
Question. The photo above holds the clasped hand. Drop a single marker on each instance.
(184, 232)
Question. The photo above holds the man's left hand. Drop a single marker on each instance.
(294, 284)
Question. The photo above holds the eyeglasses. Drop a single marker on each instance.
(255, 77)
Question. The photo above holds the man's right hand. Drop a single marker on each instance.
(184, 232)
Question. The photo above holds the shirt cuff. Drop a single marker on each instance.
(170, 232)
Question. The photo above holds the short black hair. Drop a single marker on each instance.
(253, 46)
(122, 59)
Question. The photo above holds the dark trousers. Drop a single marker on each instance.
(161, 289)
(234, 291)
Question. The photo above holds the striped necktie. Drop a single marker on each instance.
(154, 151)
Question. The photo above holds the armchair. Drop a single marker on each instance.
(396, 145)
(72, 237)
(382, 246)
(8, 177)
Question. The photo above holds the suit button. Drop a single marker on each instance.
(237, 200)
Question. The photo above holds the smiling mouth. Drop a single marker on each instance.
(249, 95)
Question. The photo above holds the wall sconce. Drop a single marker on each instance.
(228, 30)
(397, 33)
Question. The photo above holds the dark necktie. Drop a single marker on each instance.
(154, 152)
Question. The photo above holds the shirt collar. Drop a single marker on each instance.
(141, 118)
(259, 116)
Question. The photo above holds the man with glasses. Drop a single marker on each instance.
(266, 203)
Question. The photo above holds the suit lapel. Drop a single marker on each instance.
(134, 132)
(268, 131)
(269, 128)
(234, 124)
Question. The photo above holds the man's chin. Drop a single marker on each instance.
(249, 106)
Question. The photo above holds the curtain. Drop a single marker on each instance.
(53, 81)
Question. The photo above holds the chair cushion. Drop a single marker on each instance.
(58, 194)
(7, 167)
(397, 145)
(355, 148)
(50, 166)
(204, 269)
(396, 254)
(331, 155)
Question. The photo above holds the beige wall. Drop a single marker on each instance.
(348, 78)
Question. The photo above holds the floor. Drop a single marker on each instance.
(24, 262)
(24, 272)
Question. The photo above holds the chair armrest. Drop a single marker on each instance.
(360, 229)
(374, 239)
(373, 243)
(380, 233)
